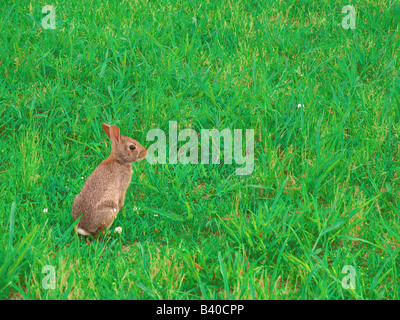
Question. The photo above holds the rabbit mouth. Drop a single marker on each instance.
(144, 155)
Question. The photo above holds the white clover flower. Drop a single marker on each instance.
(118, 230)
(136, 210)
(45, 210)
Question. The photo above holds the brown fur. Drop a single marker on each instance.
(103, 194)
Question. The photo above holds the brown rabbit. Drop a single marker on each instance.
(103, 193)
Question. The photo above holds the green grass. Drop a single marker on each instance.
(324, 192)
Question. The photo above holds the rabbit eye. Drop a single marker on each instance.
(132, 147)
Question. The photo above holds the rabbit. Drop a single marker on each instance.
(103, 194)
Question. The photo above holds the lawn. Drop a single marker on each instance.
(324, 104)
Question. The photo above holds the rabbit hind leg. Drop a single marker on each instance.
(104, 220)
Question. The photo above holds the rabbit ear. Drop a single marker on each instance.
(106, 128)
(112, 132)
(115, 134)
